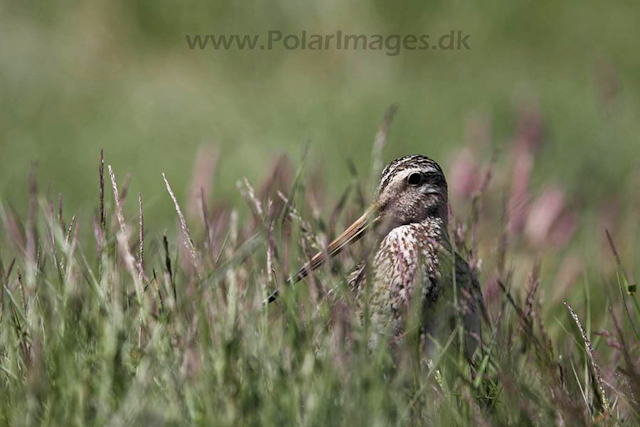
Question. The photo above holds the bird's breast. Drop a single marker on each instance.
(406, 265)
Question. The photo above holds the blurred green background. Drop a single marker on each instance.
(76, 77)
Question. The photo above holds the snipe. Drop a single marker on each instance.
(414, 258)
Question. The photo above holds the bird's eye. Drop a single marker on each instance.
(414, 179)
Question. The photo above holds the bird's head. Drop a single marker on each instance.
(412, 189)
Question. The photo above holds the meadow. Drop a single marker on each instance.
(129, 326)
(152, 195)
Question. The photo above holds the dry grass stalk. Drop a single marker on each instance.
(119, 214)
(60, 215)
(68, 236)
(185, 230)
(102, 220)
(254, 200)
(592, 357)
(123, 238)
(271, 244)
(99, 223)
(71, 250)
(141, 249)
(26, 348)
(31, 216)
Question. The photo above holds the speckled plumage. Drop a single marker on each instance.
(414, 260)
(414, 265)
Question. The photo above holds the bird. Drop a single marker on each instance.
(413, 262)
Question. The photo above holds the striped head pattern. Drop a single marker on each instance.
(412, 188)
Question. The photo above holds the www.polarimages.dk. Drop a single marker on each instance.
(393, 44)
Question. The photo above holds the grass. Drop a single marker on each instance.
(115, 310)
(135, 326)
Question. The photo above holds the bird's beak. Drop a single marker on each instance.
(350, 235)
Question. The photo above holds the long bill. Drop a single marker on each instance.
(354, 232)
